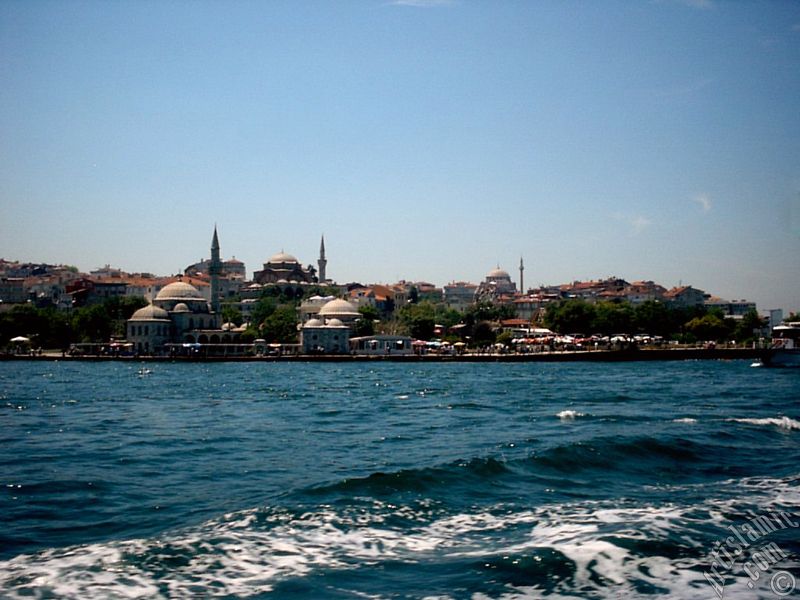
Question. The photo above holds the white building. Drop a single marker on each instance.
(331, 337)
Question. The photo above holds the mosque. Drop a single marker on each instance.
(497, 283)
(283, 268)
(180, 314)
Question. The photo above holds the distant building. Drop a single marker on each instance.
(611, 288)
(12, 290)
(497, 283)
(460, 295)
(775, 317)
(325, 337)
(380, 297)
(639, 292)
(685, 297)
(284, 271)
(181, 314)
(730, 308)
(310, 307)
(231, 269)
(382, 344)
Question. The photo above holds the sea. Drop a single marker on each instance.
(399, 480)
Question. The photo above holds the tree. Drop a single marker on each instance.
(505, 338)
(748, 327)
(281, 325)
(418, 320)
(570, 316)
(262, 310)
(652, 317)
(231, 314)
(92, 324)
(483, 333)
(710, 327)
(366, 324)
(611, 317)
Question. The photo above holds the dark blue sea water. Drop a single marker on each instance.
(325, 480)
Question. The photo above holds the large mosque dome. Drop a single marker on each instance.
(339, 308)
(149, 313)
(282, 257)
(498, 273)
(179, 290)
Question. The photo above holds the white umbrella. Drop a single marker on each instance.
(20, 338)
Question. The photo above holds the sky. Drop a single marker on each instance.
(426, 139)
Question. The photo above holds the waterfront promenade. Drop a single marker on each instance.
(652, 354)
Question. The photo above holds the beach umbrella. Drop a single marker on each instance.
(20, 339)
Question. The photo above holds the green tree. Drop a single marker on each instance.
(366, 324)
(570, 316)
(92, 324)
(281, 325)
(611, 317)
(710, 327)
(447, 317)
(418, 320)
(747, 328)
(652, 317)
(262, 309)
(505, 338)
(483, 334)
(231, 314)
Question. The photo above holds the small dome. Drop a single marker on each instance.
(228, 326)
(181, 307)
(338, 308)
(179, 289)
(335, 323)
(148, 313)
(313, 323)
(498, 273)
(282, 257)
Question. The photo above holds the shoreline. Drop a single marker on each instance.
(656, 354)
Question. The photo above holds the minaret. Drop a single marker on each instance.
(322, 263)
(214, 270)
(521, 279)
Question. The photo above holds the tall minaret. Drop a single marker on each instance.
(322, 263)
(214, 270)
(521, 280)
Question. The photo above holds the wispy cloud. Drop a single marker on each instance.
(637, 223)
(423, 3)
(704, 200)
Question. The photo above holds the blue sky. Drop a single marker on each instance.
(426, 139)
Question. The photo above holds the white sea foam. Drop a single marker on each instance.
(569, 415)
(780, 422)
(249, 552)
(685, 420)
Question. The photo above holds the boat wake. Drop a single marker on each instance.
(590, 549)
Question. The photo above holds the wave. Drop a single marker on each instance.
(779, 422)
(597, 461)
(586, 549)
(569, 415)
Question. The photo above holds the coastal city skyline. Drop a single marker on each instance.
(426, 140)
